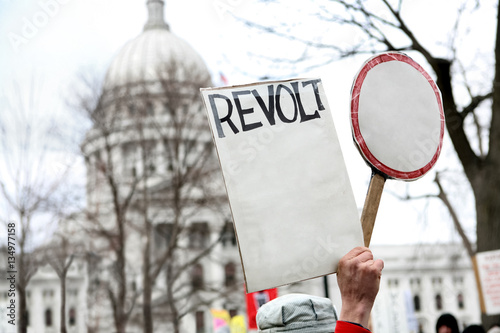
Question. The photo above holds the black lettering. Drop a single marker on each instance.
(314, 83)
(278, 104)
(303, 115)
(242, 112)
(227, 118)
(268, 111)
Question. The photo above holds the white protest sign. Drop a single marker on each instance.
(390, 313)
(290, 196)
(488, 265)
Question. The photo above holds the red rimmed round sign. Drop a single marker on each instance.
(397, 116)
(397, 122)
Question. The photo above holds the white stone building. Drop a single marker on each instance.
(421, 282)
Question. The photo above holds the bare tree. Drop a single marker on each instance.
(157, 165)
(110, 222)
(32, 187)
(192, 184)
(60, 254)
(384, 25)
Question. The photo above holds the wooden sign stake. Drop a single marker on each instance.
(370, 208)
(478, 283)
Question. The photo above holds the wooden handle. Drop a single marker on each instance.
(371, 206)
(478, 284)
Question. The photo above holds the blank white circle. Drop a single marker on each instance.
(399, 116)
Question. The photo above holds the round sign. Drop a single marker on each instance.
(397, 116)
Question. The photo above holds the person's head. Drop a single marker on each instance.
(495, 328)
(297, 313)
(474, 329)
(447, 323)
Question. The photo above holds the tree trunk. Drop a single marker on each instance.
(22, 320)
(486, 188)
(148, 229)
(63, 303)
(146, 295)
(22, 283)
(171, 301)
(119, 313)
(488, 220)
(146, 307)
(121, 325)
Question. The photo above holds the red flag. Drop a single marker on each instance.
(255, 301)
(223, 78)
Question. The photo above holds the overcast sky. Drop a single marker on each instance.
(54, 40)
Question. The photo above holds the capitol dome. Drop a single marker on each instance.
(154, 54)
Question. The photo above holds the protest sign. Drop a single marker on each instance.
(289, 192)
(253, 303)
(393, 312)
(397, 121)
(488, 266)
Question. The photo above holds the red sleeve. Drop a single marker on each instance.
(346, 327)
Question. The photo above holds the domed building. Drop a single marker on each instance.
(142, 59)
(163, 244)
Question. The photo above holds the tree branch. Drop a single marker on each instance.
(456, 222)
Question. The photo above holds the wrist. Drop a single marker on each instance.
(357, 312)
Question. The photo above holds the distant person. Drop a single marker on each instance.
(474, 329)
(358, 277)
(261, 298)
(495, 328)
(447, 323)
